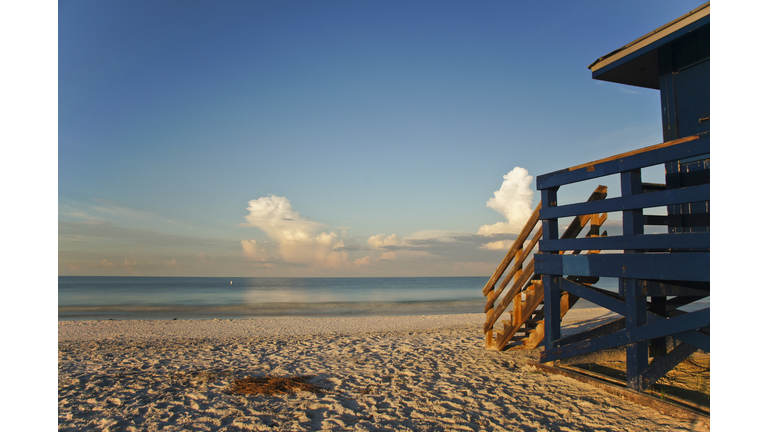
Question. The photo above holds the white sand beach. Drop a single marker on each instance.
(418, 373)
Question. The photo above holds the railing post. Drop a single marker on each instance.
(517, 307)
(636, 303)
(550, 283)
(489, 333)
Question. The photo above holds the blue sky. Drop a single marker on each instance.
(337, 138)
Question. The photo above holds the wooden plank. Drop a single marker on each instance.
(683, 266)
(649, 187)
(529, 307)
(567, 300)
(524, 233)
(669, 288)
(579, 222)
(516, 287)
(696, 338)
(665, 407)
(669, 327)
(666, 306)
(635, 152)
(666, 363)
(606, 299)
(655, 220)
(633, 202)
(551, 309)
(689, 240)
(518, 264)
(637, 318)
(648, 156)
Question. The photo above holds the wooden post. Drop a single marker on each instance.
(636, 302)
(550, 283)
(517, 311)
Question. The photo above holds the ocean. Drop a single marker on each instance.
(96, 298)
(99, 298)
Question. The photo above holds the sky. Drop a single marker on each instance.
(148, 138)
(336, 138)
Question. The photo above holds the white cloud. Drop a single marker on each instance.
(513, 200)
(379, 241)
(388, 256)
(497, 245)
(294, 239)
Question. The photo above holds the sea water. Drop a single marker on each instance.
(94, 297)
(87, 298)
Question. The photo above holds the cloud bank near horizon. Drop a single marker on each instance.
(298, 241)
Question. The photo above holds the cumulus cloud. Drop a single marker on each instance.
(514, 201)
(294, 239)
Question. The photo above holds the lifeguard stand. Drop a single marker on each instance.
(658, 273)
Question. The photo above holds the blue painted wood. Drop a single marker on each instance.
(695, 338)
(606, 299)
(637, 316)
(607, 69)
(669, 327)
(669, 306)
(601, 330)
(552, 293)
(669, 288)
(550, 284)
(685, 266)
(634, 202)
(640, 242)
(655, 220)
(640, 160)
(667, 363)
(632, 219)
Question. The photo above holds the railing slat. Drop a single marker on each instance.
(671, 150)
(652, 199)
(683, 266)
(524, 233)
(698, 240)
(491, 298)
(681, 324)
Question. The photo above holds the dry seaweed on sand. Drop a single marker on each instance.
(271, 386)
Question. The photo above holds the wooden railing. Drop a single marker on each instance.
(658, 273)
(526, 323)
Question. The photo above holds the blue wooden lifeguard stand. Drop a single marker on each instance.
(658, 273)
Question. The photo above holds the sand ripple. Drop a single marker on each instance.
(421, 374)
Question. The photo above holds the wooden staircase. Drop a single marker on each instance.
(525, 325)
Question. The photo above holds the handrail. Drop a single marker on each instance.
(520, 276)
(524, 233)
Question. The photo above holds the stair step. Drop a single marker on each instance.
(533, 322)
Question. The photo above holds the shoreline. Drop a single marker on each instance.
(426, 372)
(575, 320)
